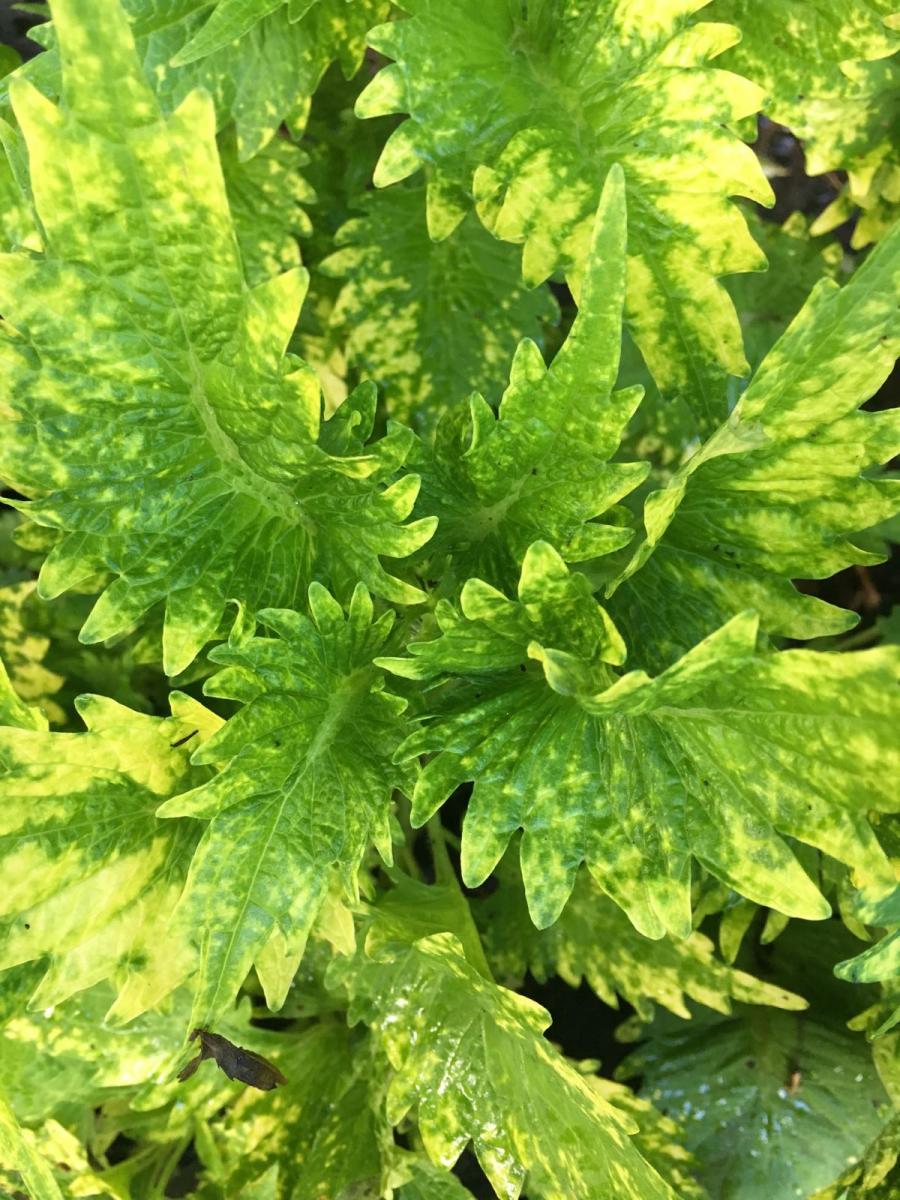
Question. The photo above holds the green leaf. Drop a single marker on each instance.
(428, 1182)
(828, 76)
(714, 759)
(528, 106)
(659, 1139)
(767, 301)
(458, 307)
(17, 1152)
(593, 940)
(13, 709)
(177, 444)
(303, 788)
(264, 195)
(539, 469)
(320, 1131)
(876, 1176)
(93, 875)
(24, 653)
(485, 1074)
(773, 1103)
(881, 961)
(258, 79)
(782, 487)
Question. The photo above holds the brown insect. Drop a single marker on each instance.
(237, 1063)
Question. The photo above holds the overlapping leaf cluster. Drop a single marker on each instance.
(451, 534)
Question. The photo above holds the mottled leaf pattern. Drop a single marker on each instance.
(831, 74)
(593, 940)
(319, 1131)
(267, 196)
(18, 1153)
(185, 456)
(258, 78)
(304, 786)
(457, 307)
(528, 105)
(876, 1176)
(634, 775)
(484, 1074)
(92, 874)
(500, 697)
(780, 489)
(539, 468)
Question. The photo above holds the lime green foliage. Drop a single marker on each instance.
(783, 485)
(188, 462)
(265, 195)
(541, 715)
(594, 940)
(259, 71)
(881, 961)
(659, 1139)
(304, 784)
(527, 107)
(485, 1074)
(773, 1103)
(539, 468)
(15, 1150)
(831, 74)
(876, 1176)
(457, 306)
(319, 1134)
(93, 874)
(768, 301)
(343, 739)
(23, 653)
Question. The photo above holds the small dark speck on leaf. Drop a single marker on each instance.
(534, 470)
(750, 1062)
(187, 737)
(522, 667)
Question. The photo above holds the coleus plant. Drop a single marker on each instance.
(452, 543)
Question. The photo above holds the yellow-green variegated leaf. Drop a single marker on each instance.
(18, 223)
(91, 874)
(471, 1065)
(539, 468)
(151, 412)
(457, 307)
(425, 1181)
(260, 70)
(320, 1131)
(265, 195)
(772, 1103)
(17, 1153)
(22, 654)
(659, 1139)
(876, 1176)
(782, 487)
(719, 758)
(767, 301)
(527, 106)
(832, 75)
(303, 790)
(14, 710)
(593, 940)
(880, 963)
